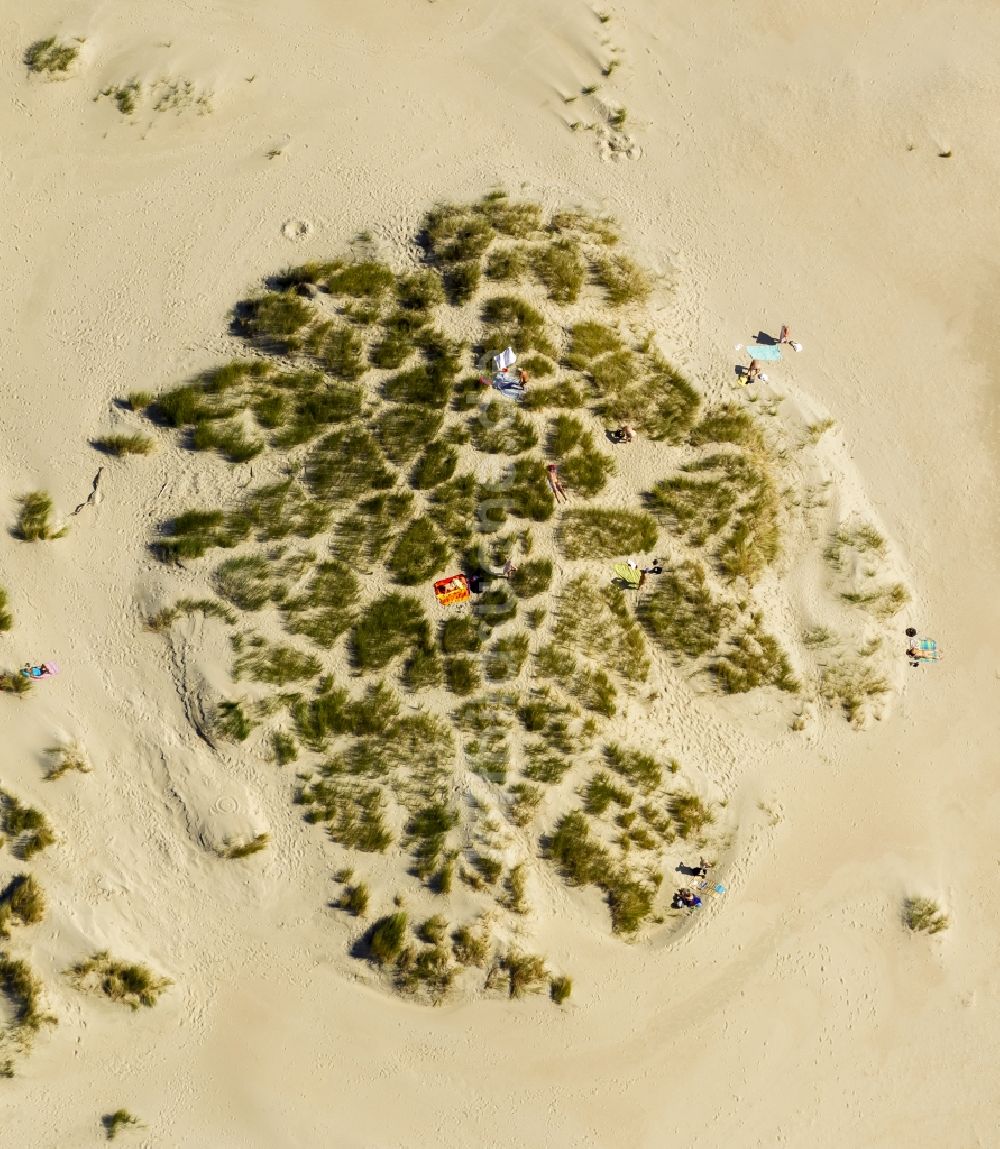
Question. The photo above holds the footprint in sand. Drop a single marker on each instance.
(296, 229)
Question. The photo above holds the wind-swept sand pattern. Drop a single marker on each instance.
(831, 170)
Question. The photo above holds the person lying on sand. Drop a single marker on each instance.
(556, 483)
(624, 434)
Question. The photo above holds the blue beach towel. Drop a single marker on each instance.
(764, 352)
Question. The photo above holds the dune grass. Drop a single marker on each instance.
(22, 901)
(62, 759)
(126, 983)
(50, 56)
(620, 277)
(276, 321)
(275, 664)
(854, 686)
(388, 627)
(436, 465)
(585, 471)
(511, 321)
(117, 1122)
(34, 518)
(924, 915)
(599, 533)
(419, 552)
(497, 428)
(326, 608)
(119, 445)
(753, 658)
(531, 578)
(6, 618)
(681, 614)
(559, 267)
(232, 851)
(11, 682)
(27, 828)
(402, 431)
(560, 989)
(523, 973)
(23, 990)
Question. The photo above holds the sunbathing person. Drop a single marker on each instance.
(556, 483)
(624, 434)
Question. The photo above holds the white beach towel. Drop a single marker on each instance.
(504, 360)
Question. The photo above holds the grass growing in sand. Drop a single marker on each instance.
(924, 915)
(390, 465)
(51, 56)
(117, 1122)
(6, 618)
(23, 991)
(22, 902)
(127, 983)
(34, 519)
(125, 444)
(27, 829)
(234, 850)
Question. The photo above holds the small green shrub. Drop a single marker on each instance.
(580, 858)
(33, 520)
(139, 400)
(524, 801)
(495, 607)
(326, 607)
(510, 321)
(22, 900)
(6, 618)
(247, 582)
(471, 947)
(28, 828)
(505, 657)
(461, 281)
(125, 96)
(50, 56)
(232, 722)
(402, 431)
(753, 658)
(455, 234)
(525, 973)
(419, 291)
(924, 915)
(506, 264)
(285, 748)
(12, 682)
(346, 463)
(125, 444)
(64, 758)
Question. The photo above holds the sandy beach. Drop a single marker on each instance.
(769, 163)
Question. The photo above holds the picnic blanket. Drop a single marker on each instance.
(927, 650)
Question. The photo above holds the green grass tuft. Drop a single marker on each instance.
(681, 614)
(597, 533)
(117, 1122)
(622, 280)
(34, 518)
(560, 989)
(560, 269)
(50, 56)
(125, 444)
(389, 626)
(128, 983)
(924, 915)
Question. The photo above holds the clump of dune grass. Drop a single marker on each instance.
(642, 770)
(209, 607)
(125, 444)
(622, 280)
(232, 722)
(460, 635)
(247, 582)
(524, 799)
(727, 424)
(924, 915)
(23, 990)
(507, 264)
(681, 614)
(499, 429)
(6, 618)
(123, 96)
(139, 400)
(689, 813)
(504, 659)
(27, 828)
(276, 320)
(560, 988)
(118, 1122)
(389, 626)
(419, 552)
(275, 664)
(22, 901)
(436, 465)
(523, 492)
(403, 430)
(386, 938)
(11, 682)
(62, 759)
(596, 229)
(470, 946)
(854, 686)
(284, 747)
(559, 267)
(354, 815)
(50, 56)
(753, 658)
(461, 675)
(597, 622)
(34, 518)
(883, 601)
(232, 851)
(597, 532)
(565, 433)
(456, 234)
(426, 834)
(585, 471)
(512, 321)
(600, 792)
(523, 973)
(354, 899)
(127, 983)
(531, 578)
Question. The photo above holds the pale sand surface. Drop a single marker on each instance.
(770, 177)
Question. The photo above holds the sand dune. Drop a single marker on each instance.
(773, 165)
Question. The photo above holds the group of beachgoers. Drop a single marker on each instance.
(685, 898)
(754, 372)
